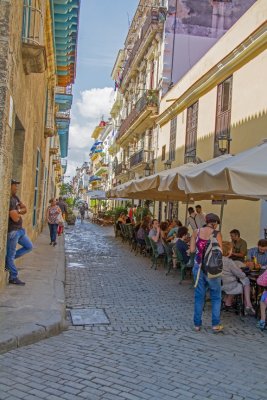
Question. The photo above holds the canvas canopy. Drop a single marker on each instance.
(244, 175)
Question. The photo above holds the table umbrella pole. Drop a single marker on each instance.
(221, 214)
(186, 207)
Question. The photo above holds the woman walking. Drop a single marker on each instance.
(53, 215)
(198, 244)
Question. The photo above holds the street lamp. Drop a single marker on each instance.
(223, 142)
(147, 170)
(168, 164)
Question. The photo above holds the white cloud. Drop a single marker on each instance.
(93, 104)
(96, 102)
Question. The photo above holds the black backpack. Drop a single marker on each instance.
(212, 263)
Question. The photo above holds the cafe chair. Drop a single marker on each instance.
(183, 266)
(155, 254)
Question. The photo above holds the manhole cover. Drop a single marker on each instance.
(88, 316)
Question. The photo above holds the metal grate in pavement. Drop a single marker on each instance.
(89, 316)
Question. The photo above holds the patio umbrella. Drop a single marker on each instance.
(244, 174)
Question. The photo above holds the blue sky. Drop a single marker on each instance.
(102, 30)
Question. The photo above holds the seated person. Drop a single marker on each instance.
(173, 229)
(239, 246)
(128, 220)
(181, 244)
(164, 230)
(234, 280)
(120, 220)
(155, 235)
(260, 252)
(142, 231)
(262, 281)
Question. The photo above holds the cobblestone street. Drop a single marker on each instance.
(148, 351)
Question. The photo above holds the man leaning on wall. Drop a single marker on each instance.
(16, 235)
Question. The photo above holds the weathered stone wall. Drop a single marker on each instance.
(5, 131)
(29, 100)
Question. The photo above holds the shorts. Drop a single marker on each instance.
(264, 297)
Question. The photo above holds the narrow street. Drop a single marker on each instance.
(148, 351)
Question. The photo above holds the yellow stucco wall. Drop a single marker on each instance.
(248, 128)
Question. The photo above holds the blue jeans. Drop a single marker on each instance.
(14, 238)
(53, 232)
(214, 285)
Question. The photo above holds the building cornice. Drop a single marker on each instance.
(248, 49)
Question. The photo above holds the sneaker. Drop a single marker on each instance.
(51, 243)
(261, 325)
(16, 281)
(54, 244)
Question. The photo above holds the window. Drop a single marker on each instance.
(36, 183)
(223, 112)
(173, 129)
(191, 133)
(44, 193)
(163, 153)
(152, 72)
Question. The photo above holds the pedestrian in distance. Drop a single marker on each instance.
(16, 235)
(53, 216)
(82, 212)
(63, 207)
(200, 217)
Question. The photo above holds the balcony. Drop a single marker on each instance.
(63, 115)
(53, 151)
(120, 168)
(137, 158)
(50, 129)
(139, 118)
(33, 49)
(154, 23)
(140, 157)
(64, 90)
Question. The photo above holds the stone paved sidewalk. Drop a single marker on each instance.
(148, 351)
(37, 310)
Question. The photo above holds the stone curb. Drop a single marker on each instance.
(50, 324)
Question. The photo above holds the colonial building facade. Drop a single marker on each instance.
(190, 88)
(37, 60)
(165, 39)
(219, 107)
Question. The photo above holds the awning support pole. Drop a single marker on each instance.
(186, 207)
(221, 214)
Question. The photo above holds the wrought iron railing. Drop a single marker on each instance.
(153, 19)
(149, 99)
(63, 114)
(119, 169)
(137, 158)
(64, 90)
(33, 24)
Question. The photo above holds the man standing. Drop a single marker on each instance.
(200, 217)
(16, 234)
(191, 220)
(239, 246)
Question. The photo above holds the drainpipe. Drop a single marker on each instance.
(173, 41)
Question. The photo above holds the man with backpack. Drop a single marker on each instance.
(206, 243)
